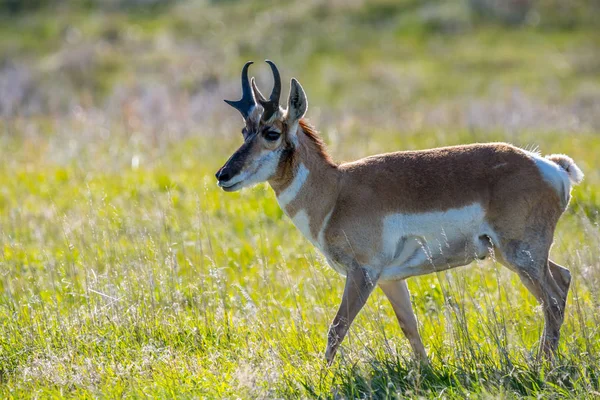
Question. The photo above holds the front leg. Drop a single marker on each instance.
(359, 285)
(397, 293)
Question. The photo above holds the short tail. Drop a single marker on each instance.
(567, 163)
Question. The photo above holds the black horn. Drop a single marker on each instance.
(247, 102)
(260, 98)
(272, 105)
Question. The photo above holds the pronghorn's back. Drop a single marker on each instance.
(437, 179)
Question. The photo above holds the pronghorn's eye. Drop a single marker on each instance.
(272, 135)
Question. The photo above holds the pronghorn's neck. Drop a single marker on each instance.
(307, 183)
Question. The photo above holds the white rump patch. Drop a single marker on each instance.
(290, 192)
(553, 174)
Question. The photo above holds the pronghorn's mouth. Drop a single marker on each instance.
(230, 187)
(237, 182)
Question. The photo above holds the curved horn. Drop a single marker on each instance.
(272, 105)
(247, 102)
(257, 94)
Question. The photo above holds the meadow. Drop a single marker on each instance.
(125, 272)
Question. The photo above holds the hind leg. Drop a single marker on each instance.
(553, 301)
(561, 275)
(535, 271)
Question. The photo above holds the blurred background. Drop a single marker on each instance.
(124, 270)
(157, 69)
(107, 84)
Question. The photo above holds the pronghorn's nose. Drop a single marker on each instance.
(224, 174)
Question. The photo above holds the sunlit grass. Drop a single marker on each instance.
(151, 281)
(126, 272)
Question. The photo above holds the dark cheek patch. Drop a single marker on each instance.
(285, 157)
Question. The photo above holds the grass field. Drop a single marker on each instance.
(126, 272)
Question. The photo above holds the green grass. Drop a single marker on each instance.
(126, 272)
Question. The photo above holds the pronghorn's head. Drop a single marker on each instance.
(269, 133)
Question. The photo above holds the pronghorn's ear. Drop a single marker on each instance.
(297, 103)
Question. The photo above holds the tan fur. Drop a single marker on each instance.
(323, 174)
(508, 199)
(495, 175)
(520, 205)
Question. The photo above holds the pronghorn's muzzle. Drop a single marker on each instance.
(231, 175)
(226, 179)
(223, 174)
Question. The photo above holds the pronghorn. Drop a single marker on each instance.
(385, 218)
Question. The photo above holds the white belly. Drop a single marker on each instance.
(416, 244)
